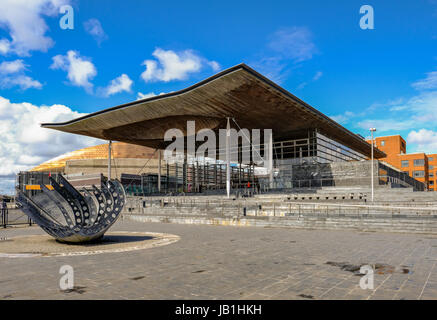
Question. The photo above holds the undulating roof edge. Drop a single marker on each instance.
(242, 66)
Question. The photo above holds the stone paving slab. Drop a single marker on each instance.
(218, 262)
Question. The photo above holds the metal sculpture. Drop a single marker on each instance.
(70, 215)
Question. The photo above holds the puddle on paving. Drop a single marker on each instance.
(76, 289)
(306, 296)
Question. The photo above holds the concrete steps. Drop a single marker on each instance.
(326, 223)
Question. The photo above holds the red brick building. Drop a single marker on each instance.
(419, 165)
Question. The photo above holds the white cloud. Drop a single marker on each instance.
(430, 82)
(25, 144)
(119, 84)
(293, 43)
(214, 65)
(12, 74)
(418, 111)
(286, 48)
(80, 70)
(425, 140)
(302, 85)
(172, 65)
(26, 26)
(141, 95)
(318, 75)
(7, 67)
(145, 95)
(95, 29)
(22, 81)
(343, 118)
(385, 125)
(5, 46)
(272, 67)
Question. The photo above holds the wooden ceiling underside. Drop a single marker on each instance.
(239, 92)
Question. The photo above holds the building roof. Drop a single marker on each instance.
(119, 151)
(239, 92)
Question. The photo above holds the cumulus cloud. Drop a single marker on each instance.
(80, 70)
(95, 29)
(12, 74)
(5, 46)
(425, 140)
(430, 82)
(119, 84)
(8, 67)
(24, 20)
(25, 144)
(170, 65)
(214, 65)
(141, 95)
(22, 81)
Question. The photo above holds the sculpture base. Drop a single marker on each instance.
(112, 242)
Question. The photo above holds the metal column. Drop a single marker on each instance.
(109, 159)
(159, 170)
(228, 159)
(271, 160)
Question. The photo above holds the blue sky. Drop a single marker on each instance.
(121, 50)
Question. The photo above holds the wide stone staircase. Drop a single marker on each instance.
(405, 211)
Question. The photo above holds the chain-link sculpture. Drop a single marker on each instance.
(72, 216)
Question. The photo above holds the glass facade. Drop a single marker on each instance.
(329, 150)
(316, 148)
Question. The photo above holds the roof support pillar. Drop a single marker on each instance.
(228, 158)
(270, 161)
(109, 159)
(159, 170)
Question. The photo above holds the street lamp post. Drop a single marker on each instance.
(372, 130)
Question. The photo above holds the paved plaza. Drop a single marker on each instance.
(217, 262)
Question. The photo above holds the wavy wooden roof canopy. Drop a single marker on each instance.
(239, 92)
